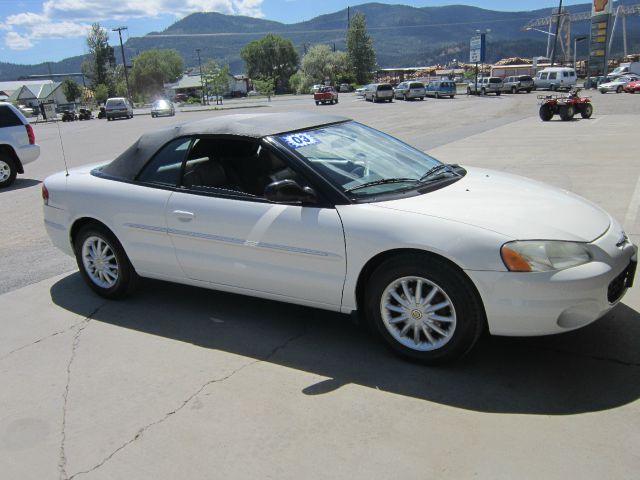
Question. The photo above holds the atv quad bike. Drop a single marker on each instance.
(565, 105)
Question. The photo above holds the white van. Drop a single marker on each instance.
(555, 78)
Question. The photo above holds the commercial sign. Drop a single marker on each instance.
(600, 36)
(477, 48)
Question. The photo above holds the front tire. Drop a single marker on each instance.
(103, 263)
(586, 111)
(8, 171)
(424, 308)
(514, 90)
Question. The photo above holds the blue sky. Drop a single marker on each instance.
(34, 31)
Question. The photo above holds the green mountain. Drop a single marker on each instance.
(403, 36)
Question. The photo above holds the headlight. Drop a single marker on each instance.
(543, 256)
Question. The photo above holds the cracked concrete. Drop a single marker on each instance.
(202, 387)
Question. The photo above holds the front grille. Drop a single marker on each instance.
(619, 284)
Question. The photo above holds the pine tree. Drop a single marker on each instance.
(360, 49)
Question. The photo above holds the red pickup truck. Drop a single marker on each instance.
(326, 95)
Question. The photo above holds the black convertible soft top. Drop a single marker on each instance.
(255, 126)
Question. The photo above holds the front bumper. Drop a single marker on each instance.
(530, 304)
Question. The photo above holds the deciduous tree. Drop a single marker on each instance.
(272, 57)
(71, 90)
(153, 68)
(99, 65)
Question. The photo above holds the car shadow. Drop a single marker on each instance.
(21, 183)
(592, 369)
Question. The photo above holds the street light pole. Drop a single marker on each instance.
(575, 50)
(124, 60)
(201, 78)
(555, 38)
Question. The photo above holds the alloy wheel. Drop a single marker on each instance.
(100, 262)
(418, 313)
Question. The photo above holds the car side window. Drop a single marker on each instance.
(8, 118)
(552, 76)
(543, 76)
(238, 167)
(565, 74)
(164, 168)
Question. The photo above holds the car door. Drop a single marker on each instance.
(225, 232)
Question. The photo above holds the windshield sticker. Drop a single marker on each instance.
(299, 140)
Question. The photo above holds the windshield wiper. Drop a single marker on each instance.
(431, 173)
(381, 182)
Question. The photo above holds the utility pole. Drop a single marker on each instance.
(124, 60)
(348, 18)
(555, 38)
(201, 79)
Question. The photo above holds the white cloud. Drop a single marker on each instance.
(92, 10)
(27, 18)
(71, 18)
(15, 41)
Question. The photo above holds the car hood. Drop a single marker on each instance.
(510, 205)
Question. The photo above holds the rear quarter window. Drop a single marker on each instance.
(525, 78)
(495, 80)
(8, 118)
(417, 85)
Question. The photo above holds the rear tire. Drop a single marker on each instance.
(103, 263)
(619, 89)
(8, 171)
(443, 314)
(546, 113)
(566, 112)
(586, 111)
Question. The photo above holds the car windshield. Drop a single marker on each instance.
(115, 102)
(161, 104)
(360, 159)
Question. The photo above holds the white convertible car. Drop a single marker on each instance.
(322, 211)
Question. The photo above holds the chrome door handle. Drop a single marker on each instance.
(184, 215)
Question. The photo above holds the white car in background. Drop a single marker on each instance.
(17, 144)
(322, 211)
(618, 84)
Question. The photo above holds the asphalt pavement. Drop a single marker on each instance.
(180, 382)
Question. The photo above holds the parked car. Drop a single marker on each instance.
(17, 144)
(410, 91)
(485, 86)
(326, 95)
(379, 91)
(118, 107)
(632, 87)
(431, 254)
(361, 91)
(181, 98)
(555, 78)
(517, 84)
(626, 68)
(345, 88)
(441, 88)
(26, 110)
(617, 85)
(162, 107)
(316, 87)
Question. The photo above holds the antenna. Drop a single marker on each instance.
(64, 156)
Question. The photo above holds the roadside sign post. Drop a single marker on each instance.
(477, 52)
(600, 35)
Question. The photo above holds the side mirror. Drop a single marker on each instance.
(289, 191)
